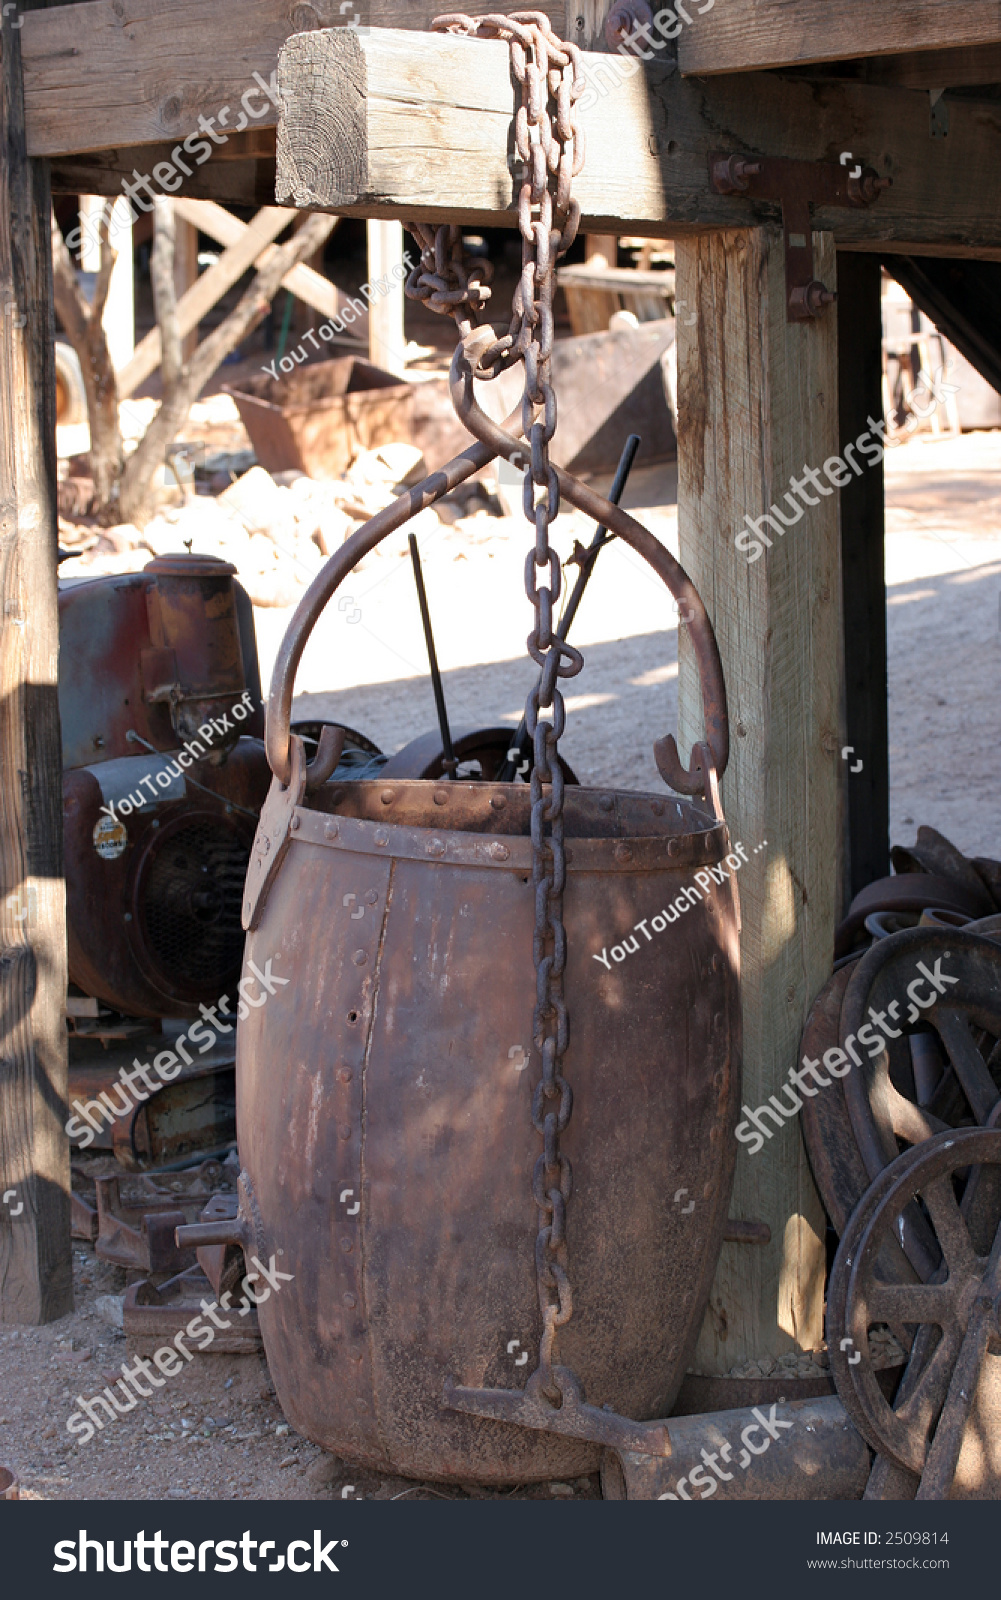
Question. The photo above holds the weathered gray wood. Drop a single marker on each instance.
(247, 182)
(198, 300)
(395, 124)
(100, 74)
(36, 1281)
(757, 400)
(936, 69)
(740, 35)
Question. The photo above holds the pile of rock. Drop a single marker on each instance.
(277, 531)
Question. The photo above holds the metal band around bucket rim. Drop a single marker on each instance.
(513, 853)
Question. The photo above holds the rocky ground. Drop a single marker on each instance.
(215, 1431)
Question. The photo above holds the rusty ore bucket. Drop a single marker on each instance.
(384, 1092)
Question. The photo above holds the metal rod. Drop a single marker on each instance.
(449, 762)
(521, 746)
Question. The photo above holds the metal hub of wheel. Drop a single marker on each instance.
(949, 1323)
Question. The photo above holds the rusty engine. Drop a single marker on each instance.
(165, 774)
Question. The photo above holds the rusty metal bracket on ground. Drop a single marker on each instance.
(529, 1408)
(795, 185)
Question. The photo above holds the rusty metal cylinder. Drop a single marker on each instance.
(384, 1109)
(801, 1450)
(196, 661)
(386, 1081)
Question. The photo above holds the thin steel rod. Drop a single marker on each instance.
(449, 763)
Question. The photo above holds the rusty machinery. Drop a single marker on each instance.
(423, 1186)
(164, 775)
(907, 1157)
(395, 1060)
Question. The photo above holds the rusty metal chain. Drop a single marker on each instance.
(552, 152)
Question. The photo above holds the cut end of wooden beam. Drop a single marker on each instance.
(323, 133)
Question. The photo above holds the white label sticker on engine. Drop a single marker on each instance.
(110, 838)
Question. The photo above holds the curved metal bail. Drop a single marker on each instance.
(689, 780)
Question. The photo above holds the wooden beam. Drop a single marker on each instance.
(395, 124)
(937, 69)
(207, 289)
(747, 35)
(36, 1278)
(97, 74)
(245, 179)
(863, 580)
(755, 408)
(308, 285)
(963, 299)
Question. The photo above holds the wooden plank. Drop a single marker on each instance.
(308, 285)
(395, 124)
(963, 299)
(247, 182)
(209, 287)
(863, 579)
(97, 74)
(747, 35)
(36, 1279)
(755, 404)
(936, 69)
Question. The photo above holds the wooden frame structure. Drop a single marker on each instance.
(107, 96)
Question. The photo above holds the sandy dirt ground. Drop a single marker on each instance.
(216, 1430)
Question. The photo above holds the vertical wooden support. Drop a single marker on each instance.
(601, 248)
(386, 342)
(119, 320)
(757, 405)
(35, 1260)
(185, 274)
(860, 332)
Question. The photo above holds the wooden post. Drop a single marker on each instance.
(860, 330)
(757, 405)
(36, 1282)
(386, 341)
(118, 321)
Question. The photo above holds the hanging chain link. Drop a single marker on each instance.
(551, 149)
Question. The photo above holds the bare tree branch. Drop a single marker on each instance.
(108, 258)
(164, 297)
(83, 328)
(135, 497)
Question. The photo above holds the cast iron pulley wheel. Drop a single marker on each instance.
(357, 755)
(950, 1076)
(480, 752)
(837, 1167)
(309, 733)
(949, 1324)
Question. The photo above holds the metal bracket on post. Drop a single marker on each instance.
(796, 185)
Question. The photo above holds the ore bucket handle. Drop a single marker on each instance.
(709, 759)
